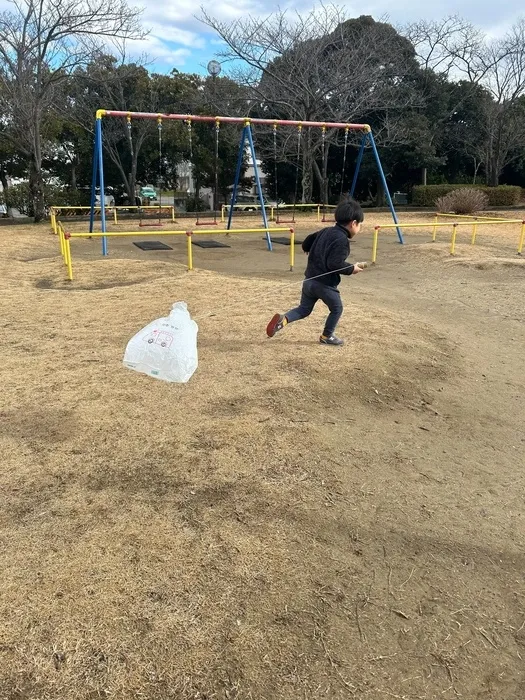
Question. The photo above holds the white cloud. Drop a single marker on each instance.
(180, 24)
(161, 54)
(178, 39)
(177, 35)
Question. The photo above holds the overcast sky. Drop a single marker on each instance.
(177, 39)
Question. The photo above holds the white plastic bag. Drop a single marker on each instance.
(166, 348)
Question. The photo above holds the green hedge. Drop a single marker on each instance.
(501, 196)
(19, 197)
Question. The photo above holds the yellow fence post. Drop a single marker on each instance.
(474, 232)
(522, 238)
(69, 262)
(434, 229)
(189, 234)
(292, 249)
(62, 242)
(453, 241)
(374, 244)
(115, 217)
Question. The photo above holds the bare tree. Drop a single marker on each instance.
(317, 66)
(451, 47)
(504, 115)
(459, 51)
(42, 42)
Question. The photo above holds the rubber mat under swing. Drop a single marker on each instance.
(283, 241)
(210, 244)
(152, 245)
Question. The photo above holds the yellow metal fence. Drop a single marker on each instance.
(474, 222)
(65, 240)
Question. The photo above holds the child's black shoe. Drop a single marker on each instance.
(331, 340)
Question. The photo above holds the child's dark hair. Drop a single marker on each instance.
(349, 210)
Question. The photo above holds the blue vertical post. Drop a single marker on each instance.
(258, 185)
(94, 181)
(100, 160)
(385, 186)
(237, 177)
(358, 164)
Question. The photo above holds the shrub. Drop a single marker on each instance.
(501, 196)
(466, 200)
(196, 204)
(18, 197)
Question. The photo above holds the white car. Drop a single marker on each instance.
(109, 200)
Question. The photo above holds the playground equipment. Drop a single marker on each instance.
(56, 212)
(478, 221)
(246, 138)
(317, 208)
(65, 240)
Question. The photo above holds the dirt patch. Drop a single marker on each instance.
(66, 284)
(295, 522)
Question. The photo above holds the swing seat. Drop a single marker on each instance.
(142, 224)
(211, 222)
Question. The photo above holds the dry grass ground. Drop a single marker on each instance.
(297, 522)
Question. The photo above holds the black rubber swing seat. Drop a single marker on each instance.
(152, 245)
(210, 244)
(284, 241)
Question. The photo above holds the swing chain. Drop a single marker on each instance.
(347, 129)
(159, 127)
(190, 137)
(130, 138)
(297, 166)
(324, 156)
(216, 192)
(275, 169)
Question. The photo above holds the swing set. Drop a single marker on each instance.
(246, 139)
(324, 150)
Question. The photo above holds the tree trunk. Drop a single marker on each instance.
(492, 173)
(36, 179)
(36, 190)
(5, 187)
(73, 178)
(322, 180)
(380, 193)
(424, 173)
(477, 165)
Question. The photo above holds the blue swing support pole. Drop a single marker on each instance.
(385, 185)
(237, 177)
(368, 139)
(247, 136)
(98, 169)
(94, 182)
(258, 185)
(358, 163)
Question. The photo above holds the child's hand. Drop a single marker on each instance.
(359, 267)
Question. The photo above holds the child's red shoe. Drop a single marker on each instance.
(277, 323)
